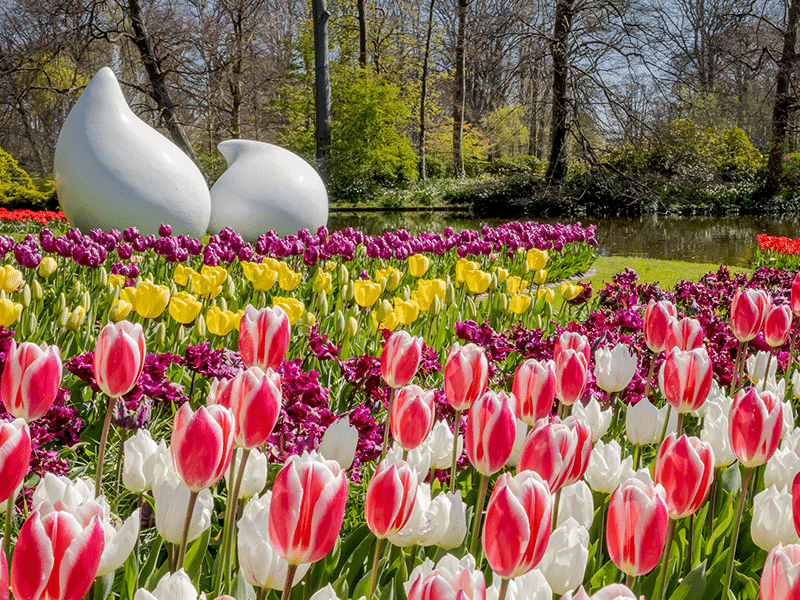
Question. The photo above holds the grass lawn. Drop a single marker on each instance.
(666, 272)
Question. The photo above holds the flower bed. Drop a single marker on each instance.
(285, 350)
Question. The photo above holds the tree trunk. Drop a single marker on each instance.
(458, 100)
(160, 92)
(557, 167)
(236, 75)
(362, 33)
(322, 87)
(784, 101)
(423, 94)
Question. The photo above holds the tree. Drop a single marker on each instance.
(559, 123)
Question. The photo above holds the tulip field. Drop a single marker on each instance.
(431, 416)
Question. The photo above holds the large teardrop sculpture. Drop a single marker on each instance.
(113, 171)
(266, 187)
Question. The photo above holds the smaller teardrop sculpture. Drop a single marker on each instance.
(266, 187)
(113, 171)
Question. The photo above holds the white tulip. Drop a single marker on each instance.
(614, 368)
(591, 413)
(260, 563)
(715, 432)
(644, 422)
(172, 503)
(71, 493)
(519, 442)
(440, 441)
(456, 529)
(119, 543)
(419, 458)
(606, 468)
(791, 440)
(138, 449)
(172, 586)
(576, 503)
(757, 367)
(788, 417)
(781, 468)
(328, 593)
(339, 443)
(772, 519)
(255, 473)
(564, 561)
(159, 466)
(796, 383)
(718, 403)
(530, 586)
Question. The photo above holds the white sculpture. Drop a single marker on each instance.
(266, 187)
(113, 171)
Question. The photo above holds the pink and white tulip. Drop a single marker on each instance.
(748, 312)
(572, 368)
(263, 337)
(491, 428)
(755, 424)
(390, 498)
(778, 325)
(570, 340)
(780, 579)
(255, 400)
(15, 456)
(412, 416)
(31, 378)
(119, 357)
(657, 318)
(685, 378)
(202, 444)
(684, 334)
(466, 374)
(685, 469)
(400, 358)
(535, 389)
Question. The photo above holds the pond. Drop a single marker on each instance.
(717, 240)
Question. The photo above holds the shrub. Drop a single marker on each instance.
(18, 191)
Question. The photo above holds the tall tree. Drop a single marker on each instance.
(559, 123)
(424, 93)
(322, 86)
(460, 88)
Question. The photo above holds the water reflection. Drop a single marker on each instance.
(728, 240)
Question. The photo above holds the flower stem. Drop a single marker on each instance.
(287, 587)
(556, 503)
(501, 594)
(478, 515)
(748, 472)
(650, 374)
(387, 425)
(373, 578)
(456, 433)
(7, 527)
(231, 525)
(791, 357)
(186, 525)
(262, 593)
(101, 452)
(658, 594)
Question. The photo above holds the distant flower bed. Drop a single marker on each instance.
(777, 252)
(24, 215)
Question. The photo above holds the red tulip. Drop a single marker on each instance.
(778, 325)
(412, 416)
(685, 378)
(219, 392)
(56, 556)
(15, 456)
(263, 337)
(307, 509)
(572, 368)
(795, 297)
(684, 334)
(657, 318)
(570, 340)
(636, 527)
(202, 445)
(400, 358)
(256, 404)
(796, 503)
(755, 424)
(466, 374)
(780, 579)
(448, 583)
(685, 469)
(31, 378)
(535, 389)
(119, 357)
(517, 526)
(558, 451)
(390, 498)
(748, 312)
(491, 428)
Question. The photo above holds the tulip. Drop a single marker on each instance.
(171, 507)
(254, 477)
(450, 579)
(288, 279)
(204, 286)
(715, 433)
(685, 469)
(519, 440)
(564, 561)
(657, 318)
(261, 565)
(390, 498)
(796, 503)
(412, 416)
(478, 281)
(558, 451)
(406, 312)
(323, 282)
(456, 529)
(575, 502)
(119, 357)
(574, 341)
(31, 378)
(614, 369)
(773, 521)
(15, 458)
(531, 586)
(139, 451)
(748, 312)
(778, 325)
(517, 527)
(781, 468)
(535, 389)
(264, 278)
(201, 444)
(9, 312)
(761, 367)
(222, 322)
(184, 307)
(172, 586)
(571, 372)
(119, 310)
(56, 555)
(256, 400)
(47, 267)
(685, 379)
(441, 442)
(466, 374)
(366, 293)
(780, 579)
(263, 337)
(400, 359)
(684, 334)
(515, 284)
(418, 265)
(536, 259)
(339, 443)
(591, 414)
(491, 427)
(148, 299)
(430, 521)
(644, 422)
(71, 494)
(755, 426)
(606, 469)
(636, 527)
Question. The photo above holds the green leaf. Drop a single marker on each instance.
(607, 574)
(146, 570)
(129, 576)
(194, 556)
(692, 586)
(241, 589)
(103, 585)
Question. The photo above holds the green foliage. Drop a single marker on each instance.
(737, 158)
(506, 128)
(18, 191)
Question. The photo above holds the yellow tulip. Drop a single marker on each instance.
(288, 279)
(478, 281)
(292, 306)
(502, 274)
(249, 269)
(406, 311)
(12, 279)
(149, 299)
(216, 274)
(390, 321)
(418, 265)
(9, 311)
(222, 322)
(271, 262)
(76, 318)
(570, 290)
(433, 287)
(322, 282)
(366, 293)
(119, 310)
(547, 293)
(536, 259)
(182, 274)
(390, 277)
(116, 280)
(421, 299)
(205, 286)
(540, 276)
(464, 266)
(264, 278)
(184, 308)
(519, 303)
(47, 267)
(515, 284)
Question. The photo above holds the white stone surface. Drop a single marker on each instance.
(266, 187)
(113, 171)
